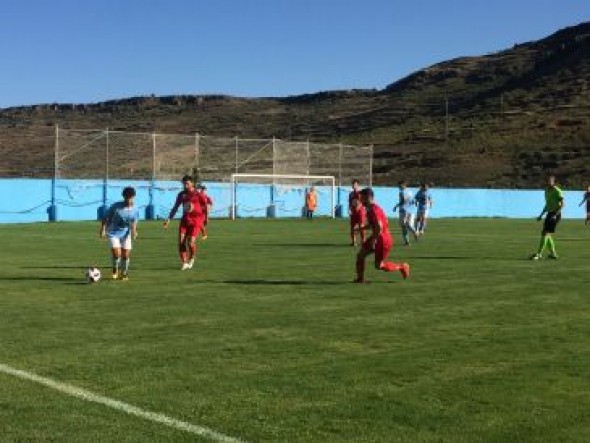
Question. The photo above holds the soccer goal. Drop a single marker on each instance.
(280, 195)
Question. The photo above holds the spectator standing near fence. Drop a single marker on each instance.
(311, 202)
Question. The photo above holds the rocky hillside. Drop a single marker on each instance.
(499, 120)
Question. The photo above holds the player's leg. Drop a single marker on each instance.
(382, 250)
(182, 249)
(191, 236)
(353, 227)
(204, 229)
(424, 221)
(362, 221)
(125, 258)
(365, 251)
(404, 228)
(410, 224)
(115, 245)
(550, 240)
(192, 251)
(545, 237)
(418, 223)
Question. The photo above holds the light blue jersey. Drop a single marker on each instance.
(120, 219)
(423, 199)
(405, 200)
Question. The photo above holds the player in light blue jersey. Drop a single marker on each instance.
(406, 212)
(424, 201)
(119, 226)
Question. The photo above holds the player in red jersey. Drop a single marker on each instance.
(357, 214)
(193, 217)
(206, 209)
(380, 242)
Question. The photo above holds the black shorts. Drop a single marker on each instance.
(551, 221)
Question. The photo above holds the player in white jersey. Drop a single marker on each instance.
(120, 226)
(406, 213)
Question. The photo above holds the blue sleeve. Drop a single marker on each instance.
(110, 213)
(136, 215)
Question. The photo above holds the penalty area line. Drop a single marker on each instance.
(89, 396)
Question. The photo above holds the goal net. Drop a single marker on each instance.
(280, 195)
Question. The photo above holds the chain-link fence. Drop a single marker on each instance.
(104, 154)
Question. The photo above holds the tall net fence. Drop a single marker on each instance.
(103, 154)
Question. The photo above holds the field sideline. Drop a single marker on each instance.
(267, 339)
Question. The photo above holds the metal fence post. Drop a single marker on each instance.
(237, 155)
(52, 210)
(371, 166)
(102, 210)
(197, 165)
(150, 210)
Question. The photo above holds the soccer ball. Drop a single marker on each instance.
(92, 275)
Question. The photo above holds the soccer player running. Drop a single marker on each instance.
(207, 210)
(119, 225)
(406, 216)
(191, 222)
(357, 214)
(586, 200)
(380, 242)
(554, 203)
(424, 201)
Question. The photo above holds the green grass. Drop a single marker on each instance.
(266, 339)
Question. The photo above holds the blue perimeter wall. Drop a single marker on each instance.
(28, 200)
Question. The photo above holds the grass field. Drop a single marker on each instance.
(267, 339)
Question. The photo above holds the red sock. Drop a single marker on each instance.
(192, 248)
(389, 266)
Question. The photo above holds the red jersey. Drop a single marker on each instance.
(353, 198)
(376, 216)
(192, 203)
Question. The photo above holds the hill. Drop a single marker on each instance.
(498, 120)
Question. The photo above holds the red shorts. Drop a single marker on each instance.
(190, 227)
(383, 246)
(357, 218)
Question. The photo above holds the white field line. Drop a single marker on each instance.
(119, 405)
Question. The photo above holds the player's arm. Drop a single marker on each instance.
(376, 229)
(543, 212)
(134, 230)
(583, 200)
(105, 221)
(561, 201)
(173, 211)
(399, 203)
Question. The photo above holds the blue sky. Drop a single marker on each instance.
(88, 50)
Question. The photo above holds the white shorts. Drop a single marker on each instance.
(120, 242)
(406, 218)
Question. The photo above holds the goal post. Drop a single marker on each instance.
(284, 189)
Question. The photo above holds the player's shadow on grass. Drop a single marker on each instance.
(441, 257)
(302, 245)
(68, 280)
(269, 282)
(81, 268)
